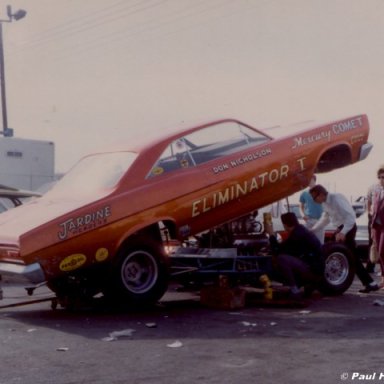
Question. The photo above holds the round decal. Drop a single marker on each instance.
(184, 163)
(157, 171)
(101, 254)
(73, 262)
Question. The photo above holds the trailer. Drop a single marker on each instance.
(26, 164)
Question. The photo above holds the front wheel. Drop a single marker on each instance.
(140, 275)
(339, 269)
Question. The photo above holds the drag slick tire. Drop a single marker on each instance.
(140, 275)
(339, 269)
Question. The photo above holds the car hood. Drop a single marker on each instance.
(18, 221)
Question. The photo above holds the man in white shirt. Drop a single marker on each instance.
(375, 192)
(338, 210)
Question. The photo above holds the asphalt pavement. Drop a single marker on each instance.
(328, 340)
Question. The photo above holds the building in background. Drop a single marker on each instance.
(26, 164)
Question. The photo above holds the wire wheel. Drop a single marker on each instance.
(336, 268)
(339, 269)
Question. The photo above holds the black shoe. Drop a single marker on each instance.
(308, 290)
(295, 296)
(370, 288)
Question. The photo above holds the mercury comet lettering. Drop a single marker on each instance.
(304, 140)
(84, 223)
(348, 125)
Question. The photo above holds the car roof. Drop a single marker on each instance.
(166, 135)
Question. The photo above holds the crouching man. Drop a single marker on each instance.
(299, 258)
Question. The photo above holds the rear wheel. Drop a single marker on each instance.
(339, 269)
(140, 276)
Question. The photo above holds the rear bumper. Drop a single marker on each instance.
(365, 150)
(31, 273)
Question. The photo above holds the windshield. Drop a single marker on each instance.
(5, 204)
(93, 174)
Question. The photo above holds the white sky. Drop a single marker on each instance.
(83, 73)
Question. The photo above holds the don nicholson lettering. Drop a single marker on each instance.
(84, 222)
(242, 160)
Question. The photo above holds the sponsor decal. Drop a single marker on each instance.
(237, 190)
(157, 171)
(242, 160)
(357, 138)
(72, 262)
(184, 163)
(84, 223)
(101, 254)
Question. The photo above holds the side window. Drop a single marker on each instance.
(206, 144)
(176, 156)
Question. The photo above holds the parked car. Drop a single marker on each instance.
(362, 236)
(13, 197)
(360, 205)
(103, 226)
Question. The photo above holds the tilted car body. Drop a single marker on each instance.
(104, 225)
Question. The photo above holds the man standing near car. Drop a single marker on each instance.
(336, 208)
(374, 195)
(376, 208)
(310, 210)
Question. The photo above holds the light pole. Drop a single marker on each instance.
(11, 16)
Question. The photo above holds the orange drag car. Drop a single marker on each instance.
(104, 226)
